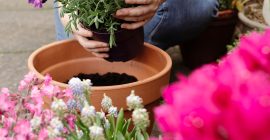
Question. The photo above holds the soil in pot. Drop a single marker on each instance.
(108, 79)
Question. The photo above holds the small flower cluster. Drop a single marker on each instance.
(39, 111)
(109, 123)
(23, 115)
(225, 101)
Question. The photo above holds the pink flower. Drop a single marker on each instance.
(33, 108)
(22, 127)
(6, 103)
(3, 133)
(71, 121)
(47, 80)
(230, 101)
(4, 91)
(8, 122)
(43, 134)
(28, 78)
(255, 50)
(47, 115)
(50, 90)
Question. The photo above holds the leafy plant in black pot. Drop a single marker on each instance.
(98, 16)
(211, 44)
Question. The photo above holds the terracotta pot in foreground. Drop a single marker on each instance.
(62, 60)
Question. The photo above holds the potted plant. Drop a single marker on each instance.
(211, 43)
(98, 16)
(252, 15)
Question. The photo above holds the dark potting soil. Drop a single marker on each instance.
(108, 79)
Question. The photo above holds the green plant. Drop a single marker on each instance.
(108, 123)
(231, 4)
(93, 14)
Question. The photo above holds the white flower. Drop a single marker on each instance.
(35, 122)
(88, 111)
(107, 124)
(106, 102)
(113, 111)
(77, 86)
(55, 123)
(140, 118)
(134, 101)
(53, 132)
(78, 132)
(87, 84)
(96, 132)
(58, 105)
(72, 104)
(101, 115)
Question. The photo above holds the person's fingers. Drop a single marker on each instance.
(135, 25)
(138, 1)
(82, 31)
(101, 55)
(90, 44)
(137, 18)
(137, 11)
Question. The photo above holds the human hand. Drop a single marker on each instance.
(97, 48)
(138, 15)
(81, 34)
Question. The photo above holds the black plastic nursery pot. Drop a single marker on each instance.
(211, 43)
(129, 43)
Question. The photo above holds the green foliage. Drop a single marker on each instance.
(97, 14)
(231, 4)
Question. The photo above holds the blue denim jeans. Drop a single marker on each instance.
(175, 21)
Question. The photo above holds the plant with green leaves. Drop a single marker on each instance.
(93, 14)
(232, 4)
(109, 123)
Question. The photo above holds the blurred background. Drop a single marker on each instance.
(22, 30)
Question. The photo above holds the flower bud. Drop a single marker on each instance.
(134, 101)
(140, 118)
(106, 103)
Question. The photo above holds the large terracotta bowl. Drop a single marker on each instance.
(64, 59)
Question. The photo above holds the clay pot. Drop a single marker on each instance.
(64, 59)
(249, 23)
(129, 43)
(211, 43)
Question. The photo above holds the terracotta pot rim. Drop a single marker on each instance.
(140, 82)
(249, 22)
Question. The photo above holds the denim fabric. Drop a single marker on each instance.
(59, 28)
(175, 21)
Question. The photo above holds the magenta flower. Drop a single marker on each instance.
(228, 101)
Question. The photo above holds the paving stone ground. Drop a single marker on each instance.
(22, 30)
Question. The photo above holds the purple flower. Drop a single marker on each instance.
(36, 3)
